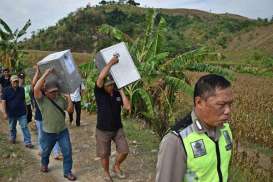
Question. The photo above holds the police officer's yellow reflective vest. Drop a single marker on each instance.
(207, 160)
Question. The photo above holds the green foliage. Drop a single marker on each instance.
(89, 74)
(179, 85)
(103, 2)
(184, 32)
(267, 62)
(144, 96)
(222, 41)
(154, 96)
(9, 47)
(258, 63)
(24, 29)
(114, 32)
(211, 69)
(133, 3)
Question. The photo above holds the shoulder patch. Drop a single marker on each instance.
(186, 132)
(198, 148)
(228, 140)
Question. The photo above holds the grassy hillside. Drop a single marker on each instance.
(34, 56)
(259, 39)
(187, 29)
(246, 44)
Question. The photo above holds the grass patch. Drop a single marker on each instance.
(35, 56)
(243, 174)
(259, 148)
(239, 175)
(145, 138)
(12, 160)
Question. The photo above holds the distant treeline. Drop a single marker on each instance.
(186, 31)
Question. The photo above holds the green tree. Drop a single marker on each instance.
(103, 2)
(154, 96)
(9, 47)
(133, 3)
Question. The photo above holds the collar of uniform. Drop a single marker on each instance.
(200, 127)
(197, 124)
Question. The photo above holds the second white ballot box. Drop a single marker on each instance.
(125, 71)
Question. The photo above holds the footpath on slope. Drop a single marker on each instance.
(86, 166)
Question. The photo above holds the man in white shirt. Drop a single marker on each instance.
(76, 99)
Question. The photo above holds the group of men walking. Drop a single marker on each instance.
(197, 148)
(49, 107)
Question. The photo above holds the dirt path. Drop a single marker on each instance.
(140, 165)
(16, 164)
(86, 165)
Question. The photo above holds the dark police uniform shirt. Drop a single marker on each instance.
(15, 101)
(108, 110)
(4, 82)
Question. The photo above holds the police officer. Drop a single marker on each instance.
(198, 148)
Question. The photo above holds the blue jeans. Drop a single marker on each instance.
(49, 140)
(23, 123)
(39, 125)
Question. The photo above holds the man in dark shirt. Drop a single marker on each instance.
(109, 126)
(14, 109)
(4, 80)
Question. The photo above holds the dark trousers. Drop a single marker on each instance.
(49, 140)
(29, 113)
(77, 106)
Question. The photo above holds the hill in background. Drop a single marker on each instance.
(187, 29)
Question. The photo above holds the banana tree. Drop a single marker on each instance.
(89, 74)
(9, 47)
(154, 96)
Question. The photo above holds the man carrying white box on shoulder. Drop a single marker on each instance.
(109, 127)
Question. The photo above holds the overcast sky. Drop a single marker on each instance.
(46, 13)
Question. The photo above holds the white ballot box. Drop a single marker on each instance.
(125, 71)
(65, 71)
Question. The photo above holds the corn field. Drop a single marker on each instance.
(252, 123)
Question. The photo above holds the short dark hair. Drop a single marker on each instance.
(207, 85)
(6, 69)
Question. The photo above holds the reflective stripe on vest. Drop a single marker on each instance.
(207, 161)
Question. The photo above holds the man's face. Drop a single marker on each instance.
(216, 109)
(52, 94)
(15, 83)
(109, 88)
(6, 73)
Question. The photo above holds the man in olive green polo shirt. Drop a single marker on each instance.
(52, 106)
